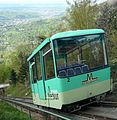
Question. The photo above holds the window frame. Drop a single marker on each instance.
(33, 64)
(43, 55)
(38, 53)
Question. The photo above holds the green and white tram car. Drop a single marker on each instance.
(69, 67)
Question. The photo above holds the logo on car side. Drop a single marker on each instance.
(90, 79)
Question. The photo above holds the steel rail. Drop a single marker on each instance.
(33, 107)
(108, 103)
(24, 100)
(96, 116)
(78, 114)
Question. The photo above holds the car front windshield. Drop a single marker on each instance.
(79, 51)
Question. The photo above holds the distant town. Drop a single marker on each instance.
(13, 17)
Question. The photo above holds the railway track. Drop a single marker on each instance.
(52, 114)
(24, 100)
(98, 113)
(24, 103)
(105, 111)
(108, 103)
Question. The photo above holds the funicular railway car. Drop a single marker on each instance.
(70, 67)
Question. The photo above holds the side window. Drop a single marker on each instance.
(34, 70)
(38, 65)
(48, 62)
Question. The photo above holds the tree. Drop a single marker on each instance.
(82, 14)
(24, 72)
(17, 61)
(13, 77)
(4, 72)
(107, 20)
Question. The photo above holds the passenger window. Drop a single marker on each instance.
(48, 62)
(34, 70)
(38, 65)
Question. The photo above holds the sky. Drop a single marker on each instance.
(35, 1)
(31, 1)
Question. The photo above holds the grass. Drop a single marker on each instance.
(19, 91)
(8, 112)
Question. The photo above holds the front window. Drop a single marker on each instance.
(76, 55)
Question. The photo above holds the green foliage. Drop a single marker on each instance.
(107, 20)
(82, 14)
(23, 72)
(23, 39)
(13, 77)
(56, 25)
(30, 34)
(19, 90)
(4, 72)
(9, 113)
(17, 61)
